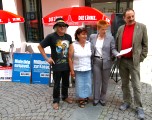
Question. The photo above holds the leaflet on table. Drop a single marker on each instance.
(125, 51)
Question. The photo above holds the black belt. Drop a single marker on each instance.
(98, 57)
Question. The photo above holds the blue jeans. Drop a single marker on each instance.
(83, 84)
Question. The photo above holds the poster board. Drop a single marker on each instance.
(21, 71)
(40, 69)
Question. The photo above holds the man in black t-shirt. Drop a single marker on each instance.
(59, 43)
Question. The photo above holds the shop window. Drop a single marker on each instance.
(2, 28)
(111, 8)
(33, 20)
(0, 4)
(2, 33)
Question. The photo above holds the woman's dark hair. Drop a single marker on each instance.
(79, 31)
(128, 9)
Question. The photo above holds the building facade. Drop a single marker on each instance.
(32, 31)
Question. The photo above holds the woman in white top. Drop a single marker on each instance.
(80, 66)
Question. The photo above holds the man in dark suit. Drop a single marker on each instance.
(132, 35)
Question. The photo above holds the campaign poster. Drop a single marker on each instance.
(5, 59)
(40, 69)
(21, 68)
(5, 73)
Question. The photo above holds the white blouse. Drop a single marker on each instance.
(82, 56)
(99, 44)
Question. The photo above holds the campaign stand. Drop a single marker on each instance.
(21, 68)
(40, 69)
(5, 73)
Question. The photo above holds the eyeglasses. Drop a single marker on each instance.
(62, 25)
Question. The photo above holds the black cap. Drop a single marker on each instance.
(60, 21)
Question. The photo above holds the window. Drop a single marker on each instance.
(2, 28)
(33, 20)
(111, 8)
(0, 4)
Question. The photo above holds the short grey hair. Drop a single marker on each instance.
(55, 29)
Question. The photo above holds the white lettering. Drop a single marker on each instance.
(80, 17)
(21, 66)
(87, 17)
(42, 66)
(39, 62)
(107, 20)
(16, 19)
(52, 19)
(22, 61)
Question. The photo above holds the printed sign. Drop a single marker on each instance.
(5, 73)
(87, 17)
(21, 68)
(40, 69)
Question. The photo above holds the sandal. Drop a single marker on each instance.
(69, 100)
(56, 106)
(86, 100)
(81, 103)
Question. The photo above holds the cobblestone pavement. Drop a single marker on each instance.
(19, 101)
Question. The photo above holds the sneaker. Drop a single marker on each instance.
(124, 106)
(140, 113)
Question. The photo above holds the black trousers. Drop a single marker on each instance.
(58, 76)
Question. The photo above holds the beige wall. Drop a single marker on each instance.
(49, 6)
(14, 31)
(143, 14)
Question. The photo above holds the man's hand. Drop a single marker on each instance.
(50, 60)
(72, 73)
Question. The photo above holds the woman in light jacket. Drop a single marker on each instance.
(103, 49)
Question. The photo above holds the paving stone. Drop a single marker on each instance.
(20, 101)
(5, 118)
(17, 118)
(125, 119)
